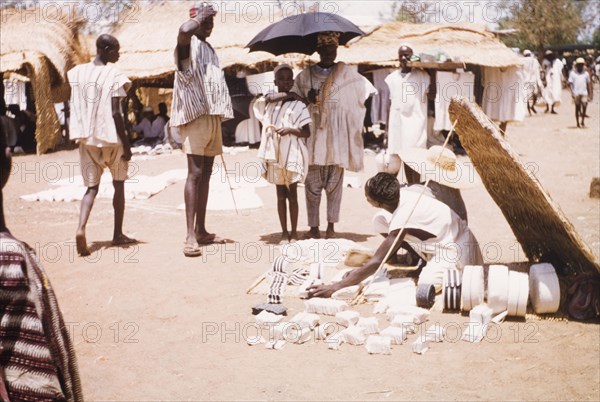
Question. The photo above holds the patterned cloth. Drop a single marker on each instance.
(92, 88)
(284, 159)
(337, 120)
(37, 359)
(199, 87)
(281, 275)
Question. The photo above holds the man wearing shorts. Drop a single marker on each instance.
(580, 84)
(200, 103)
(97, 124)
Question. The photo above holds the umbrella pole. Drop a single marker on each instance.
(229, 183)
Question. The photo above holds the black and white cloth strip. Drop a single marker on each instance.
(280, 276)
(451, 290)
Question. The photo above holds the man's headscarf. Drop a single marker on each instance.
(328, 38)
(203, 10)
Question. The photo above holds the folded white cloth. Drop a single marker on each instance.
(369, 324)
(334, 342)
(347, 318)
(306, 320)
(419, 314)
(421, 345)
(264, 317)
(319, 305)
(481, 313)
(347, 293)
(396, 334)
(379, 345)
(353, 335)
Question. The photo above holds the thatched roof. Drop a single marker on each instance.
(147, 45)
(463, 42)
(43, 50)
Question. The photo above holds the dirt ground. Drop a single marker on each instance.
(150, 324)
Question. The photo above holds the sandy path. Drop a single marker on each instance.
(149, 324)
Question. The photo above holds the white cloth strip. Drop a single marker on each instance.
(544, 288)
(518, 293)
(497, 291)
(472, 290)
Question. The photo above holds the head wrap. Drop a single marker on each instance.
(328, 38)
(202, 10)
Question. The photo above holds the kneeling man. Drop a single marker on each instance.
(432, 230)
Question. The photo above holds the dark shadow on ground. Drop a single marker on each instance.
(275, 238)
(104, 245)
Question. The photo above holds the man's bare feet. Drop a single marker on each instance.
(313, 233)
(293, 236)
(209, 238)
(82, 248)
(122, 239)
(285, 237)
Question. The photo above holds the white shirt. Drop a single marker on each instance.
(92, 88)
(452, 240)
(579, 82)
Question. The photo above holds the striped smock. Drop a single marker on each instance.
(200, 87)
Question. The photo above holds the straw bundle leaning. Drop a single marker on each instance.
(538, 223)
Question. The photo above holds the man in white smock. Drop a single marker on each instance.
(407, 124)
(335, 94)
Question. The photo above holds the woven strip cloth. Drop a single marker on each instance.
(37, 359)
(280, 276)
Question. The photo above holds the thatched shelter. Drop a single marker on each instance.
(147, 44)
(43, 49)
(463, 43)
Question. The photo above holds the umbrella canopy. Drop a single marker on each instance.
(298, 33)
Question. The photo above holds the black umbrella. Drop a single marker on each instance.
(298, 33)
